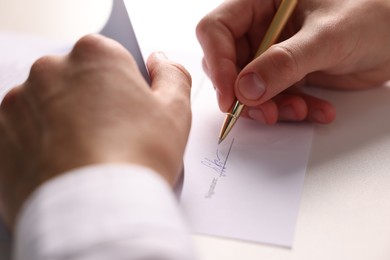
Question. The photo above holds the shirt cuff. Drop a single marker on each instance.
(101, 212)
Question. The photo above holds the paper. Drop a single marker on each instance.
(119, 28)
(257, 196)
(248, 187)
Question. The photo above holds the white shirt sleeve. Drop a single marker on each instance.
(99, 212)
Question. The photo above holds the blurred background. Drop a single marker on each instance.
(57, 19)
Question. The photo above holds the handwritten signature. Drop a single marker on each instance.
(217, 164)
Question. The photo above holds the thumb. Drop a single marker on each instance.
(170, 80)
(281, 66)
(171, 83)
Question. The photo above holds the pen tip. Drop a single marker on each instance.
(220, 140)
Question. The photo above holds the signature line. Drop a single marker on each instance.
(227, 156)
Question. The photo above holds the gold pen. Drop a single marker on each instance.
(280, 19)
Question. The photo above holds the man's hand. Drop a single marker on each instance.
(89, 107)
(328, 43)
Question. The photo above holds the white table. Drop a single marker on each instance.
(345, 208)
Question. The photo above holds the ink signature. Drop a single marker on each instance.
(219, 166)
(216, 164)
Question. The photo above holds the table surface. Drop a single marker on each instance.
(345, 207)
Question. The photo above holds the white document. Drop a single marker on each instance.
(120, 28)
(248, 187)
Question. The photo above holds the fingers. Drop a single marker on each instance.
(10, 99)
(42, 75)
(171, 81)
(171, 86)
(97, 47)
(266, 113)
(95, 52)
(219, 62)
(321, 44)
(223, 35)
(320, 111)
(293, 106)
(298, 106)
(90, 52)
(266, 79)
(283, 65)
(324, 43)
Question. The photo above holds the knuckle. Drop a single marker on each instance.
(204, 26)
(97, 47)
(285, 61)
(201, 26)
(90, 46)
(88, 42)
(183, 72)
(41, 65)
(11, 98)
(44, 75)
(42, 69)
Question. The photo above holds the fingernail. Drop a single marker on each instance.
(162, 55)
(287, 112)
(257, 115)
(251, 86)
